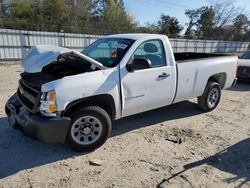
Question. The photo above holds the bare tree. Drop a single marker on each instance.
(225, 12)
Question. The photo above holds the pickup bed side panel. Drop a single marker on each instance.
(193, 76)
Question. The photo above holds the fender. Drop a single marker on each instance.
(104, 101)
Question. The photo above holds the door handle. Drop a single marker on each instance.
(164, 75)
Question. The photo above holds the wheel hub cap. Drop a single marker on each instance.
(213, 97)
(86, 130)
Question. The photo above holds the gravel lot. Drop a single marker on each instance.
(215, 151)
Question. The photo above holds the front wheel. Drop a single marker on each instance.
(90, 128)
(210, 97)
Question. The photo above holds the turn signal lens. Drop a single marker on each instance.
(48, 104)
(52, 107)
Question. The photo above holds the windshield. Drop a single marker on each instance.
(245, 55)
(108, 51)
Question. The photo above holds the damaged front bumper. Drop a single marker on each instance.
(51, 130)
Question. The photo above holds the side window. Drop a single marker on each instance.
(152, 50)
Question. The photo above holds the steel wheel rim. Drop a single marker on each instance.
(213, 97)
(86, 130)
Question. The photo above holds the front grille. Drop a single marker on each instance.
(28, 96)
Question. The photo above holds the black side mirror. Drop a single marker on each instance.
(138, 64)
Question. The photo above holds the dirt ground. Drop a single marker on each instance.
(215, 151)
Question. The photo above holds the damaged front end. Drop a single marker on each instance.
(52, 130)
(44, 64)
(34, 110)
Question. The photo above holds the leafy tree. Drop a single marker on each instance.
(54, 11)
(78, 16)
(201, 21)
(225, 13)
(16, 15)
(241, 26)
(112, 16)
(169, 25)
(223, 20)
(48, 15)
(3, 9)
(205, 24)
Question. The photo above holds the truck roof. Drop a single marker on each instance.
(134, 36)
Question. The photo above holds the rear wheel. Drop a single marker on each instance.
(210, 97)
(90, 128)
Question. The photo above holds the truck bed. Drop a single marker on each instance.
(183, 57)
(193, 73)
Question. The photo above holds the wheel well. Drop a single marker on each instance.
(7, 111)
(104, 101)
(220, 78)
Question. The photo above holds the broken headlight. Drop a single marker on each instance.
(48, 103)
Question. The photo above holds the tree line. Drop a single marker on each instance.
(77, 16)
(222, 20)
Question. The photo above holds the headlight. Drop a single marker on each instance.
(48, 103)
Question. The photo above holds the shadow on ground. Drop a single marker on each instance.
(242, 85)
(18, 152)
(172, 112)
(234, 160)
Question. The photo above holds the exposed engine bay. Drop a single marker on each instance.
(65, 65)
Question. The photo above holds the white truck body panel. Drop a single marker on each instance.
(193, 76)
(133, 92)
(72, 88)
(143, 90)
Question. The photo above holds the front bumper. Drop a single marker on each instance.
(51, 130)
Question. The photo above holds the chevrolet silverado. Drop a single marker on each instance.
(73, 97)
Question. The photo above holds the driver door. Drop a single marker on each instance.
(149, 88)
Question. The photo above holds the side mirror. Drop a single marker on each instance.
(138, 64)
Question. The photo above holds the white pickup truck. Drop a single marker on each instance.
(67, 96)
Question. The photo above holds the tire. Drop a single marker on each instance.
(90, 128)
(210, 97)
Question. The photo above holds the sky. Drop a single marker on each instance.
(150, 10)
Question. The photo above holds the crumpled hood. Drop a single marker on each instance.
(39, 56)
